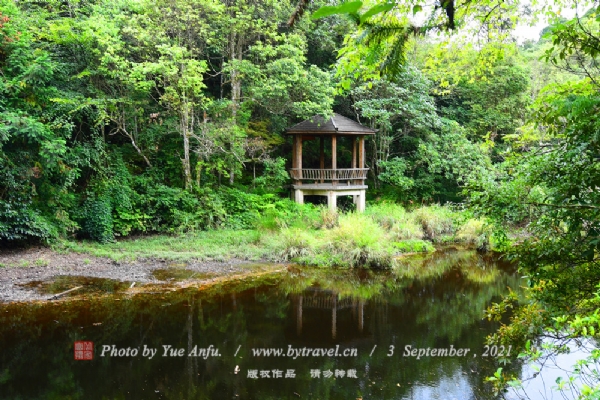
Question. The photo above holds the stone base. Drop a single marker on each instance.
(357, 192)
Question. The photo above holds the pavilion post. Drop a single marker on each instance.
(353, 152)
(322, 163)
(294, 164)
(334, 158)
(361, 155)
(354, 146)
(298, 157)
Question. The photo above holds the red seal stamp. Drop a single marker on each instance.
(84, 350)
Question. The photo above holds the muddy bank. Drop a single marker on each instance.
(39, 273)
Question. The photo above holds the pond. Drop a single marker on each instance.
(416, 332)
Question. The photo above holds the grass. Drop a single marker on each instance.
(413, 246)
(359, 241)
(436, 222)
(217, 245)
(320, 238)
(40, 262)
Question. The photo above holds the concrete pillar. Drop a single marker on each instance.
(360, 207)
(331, 200)
(299, 196)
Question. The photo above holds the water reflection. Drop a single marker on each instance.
(317, 303)
(427, 302)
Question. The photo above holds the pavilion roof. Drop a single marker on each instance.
(335, 125)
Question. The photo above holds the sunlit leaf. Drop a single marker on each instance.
(345, 8)
(378, 9)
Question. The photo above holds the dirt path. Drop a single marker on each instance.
(19, 268)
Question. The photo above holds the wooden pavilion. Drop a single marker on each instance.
(333, 181)
(314, 298)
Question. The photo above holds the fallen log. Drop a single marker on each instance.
(59, 295)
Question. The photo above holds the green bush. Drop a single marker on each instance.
(474, 232)
(97, 219)
(20, 221)
(126, 217)
(275, 175)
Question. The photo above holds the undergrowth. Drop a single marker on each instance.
(309, 235)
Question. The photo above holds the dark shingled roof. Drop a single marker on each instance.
(337, 124)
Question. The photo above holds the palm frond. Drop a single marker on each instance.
(387, 41)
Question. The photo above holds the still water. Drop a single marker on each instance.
(341, 335)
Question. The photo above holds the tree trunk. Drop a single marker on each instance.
(235, 54)
(187, 176)
(187, 123)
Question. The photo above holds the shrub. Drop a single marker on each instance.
(474, 232)
(97, 219)
(284, 213)
(435, 221)
(20, 221)
(274, 176)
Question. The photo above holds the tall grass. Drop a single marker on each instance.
(436, 221)
(360, 241)
(395, 219)
(310, 235)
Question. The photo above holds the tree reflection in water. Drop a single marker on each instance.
(432, 301)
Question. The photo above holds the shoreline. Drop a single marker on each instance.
(23, 272)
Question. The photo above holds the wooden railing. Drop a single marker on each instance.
(334, 175)
(327, 302)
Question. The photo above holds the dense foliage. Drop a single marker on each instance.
(125, 117)
(128, 117)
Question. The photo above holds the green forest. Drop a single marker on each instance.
(124, 119)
